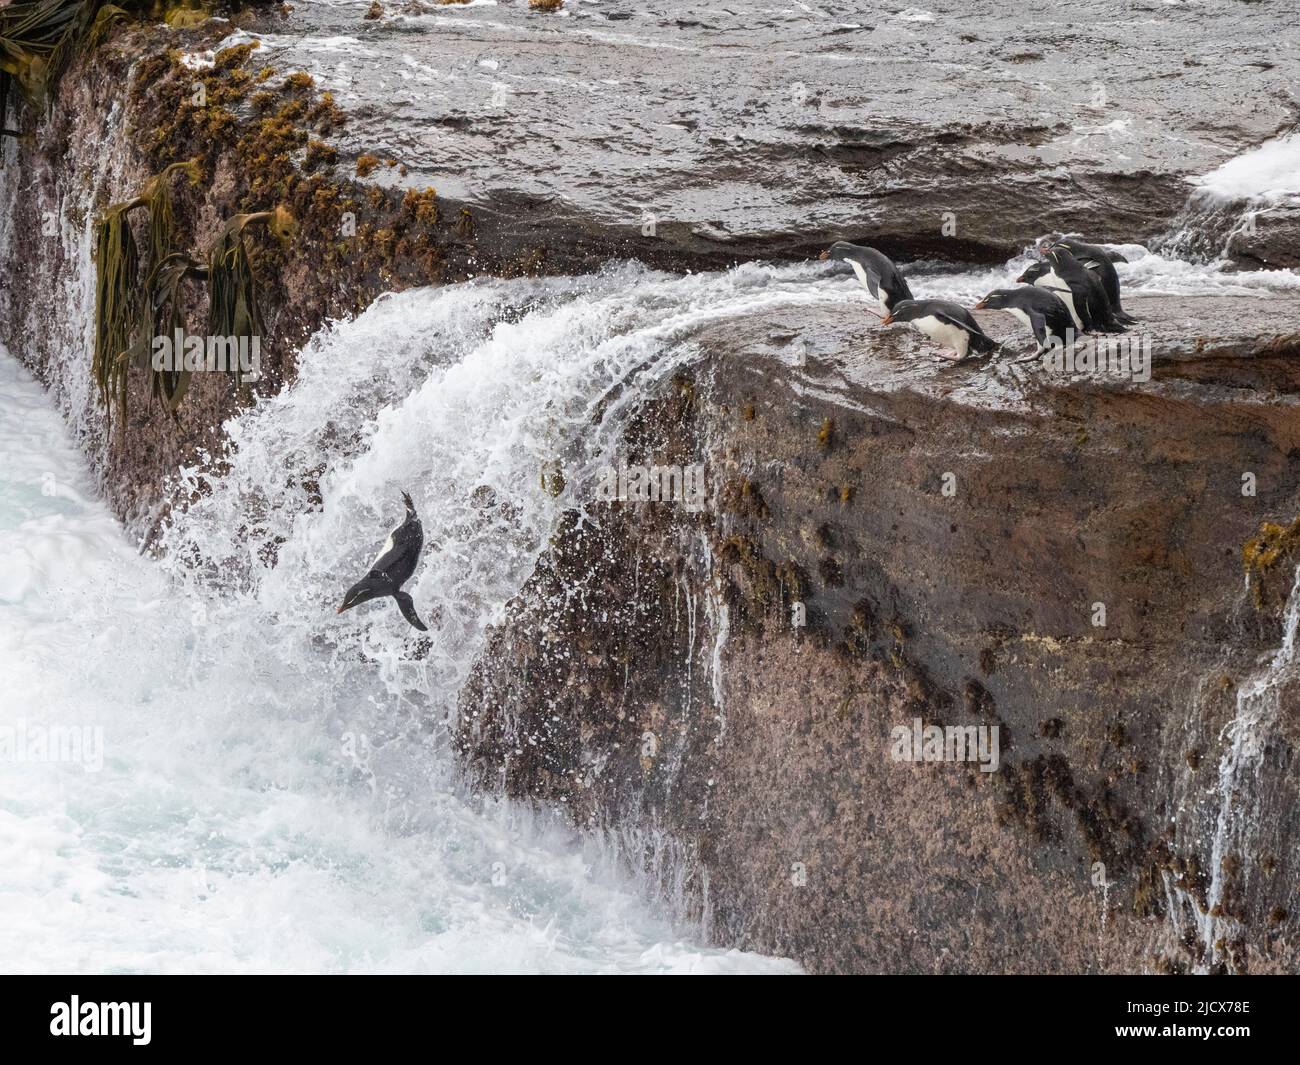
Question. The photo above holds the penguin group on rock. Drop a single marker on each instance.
(1074, 289)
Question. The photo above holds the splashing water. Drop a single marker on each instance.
(1228, 201)
(1154, 271)
(1243, 794)
(1244, 824)
(276, 791)
(1207, 227)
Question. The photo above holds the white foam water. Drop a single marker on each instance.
(1232, 826)
(276, 790)
(1270, 172)
(1147, 271)
(1241, 789)
(1228, 201)
(1160, 273)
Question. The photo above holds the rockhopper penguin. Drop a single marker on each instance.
(1101, 262)
(1090, 299)
(1082, 292)
(945, 322)
(1038, 308)
(1079, 248)
(392, 568)
(877, 274)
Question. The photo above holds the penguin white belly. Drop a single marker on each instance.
(876, 296)
(950, 336)
(1052, 280)
(388, 546)
(1020, 316)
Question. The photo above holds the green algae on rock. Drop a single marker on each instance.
(122, 315)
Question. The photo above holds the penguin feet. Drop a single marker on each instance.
(955, 360)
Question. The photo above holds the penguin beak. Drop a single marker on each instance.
(824, 255)
(979, 306)
(887, 320)
(340, 610)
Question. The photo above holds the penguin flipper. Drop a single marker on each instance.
(980, 342)
(983, 343)
(871, 279)
(407, 606)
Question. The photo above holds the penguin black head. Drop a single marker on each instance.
(363, 591)
(839, 251)
(905, 311)
(997, 300)
(1033, 273)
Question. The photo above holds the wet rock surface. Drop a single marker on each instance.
(951, 534)
(550, 138)
(951, 130)
(1274, 243)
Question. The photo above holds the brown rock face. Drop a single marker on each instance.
(980, 546)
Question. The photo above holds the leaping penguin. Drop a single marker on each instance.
(946, 323)
(392, 568)
(1039, 308)
(877, 274)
